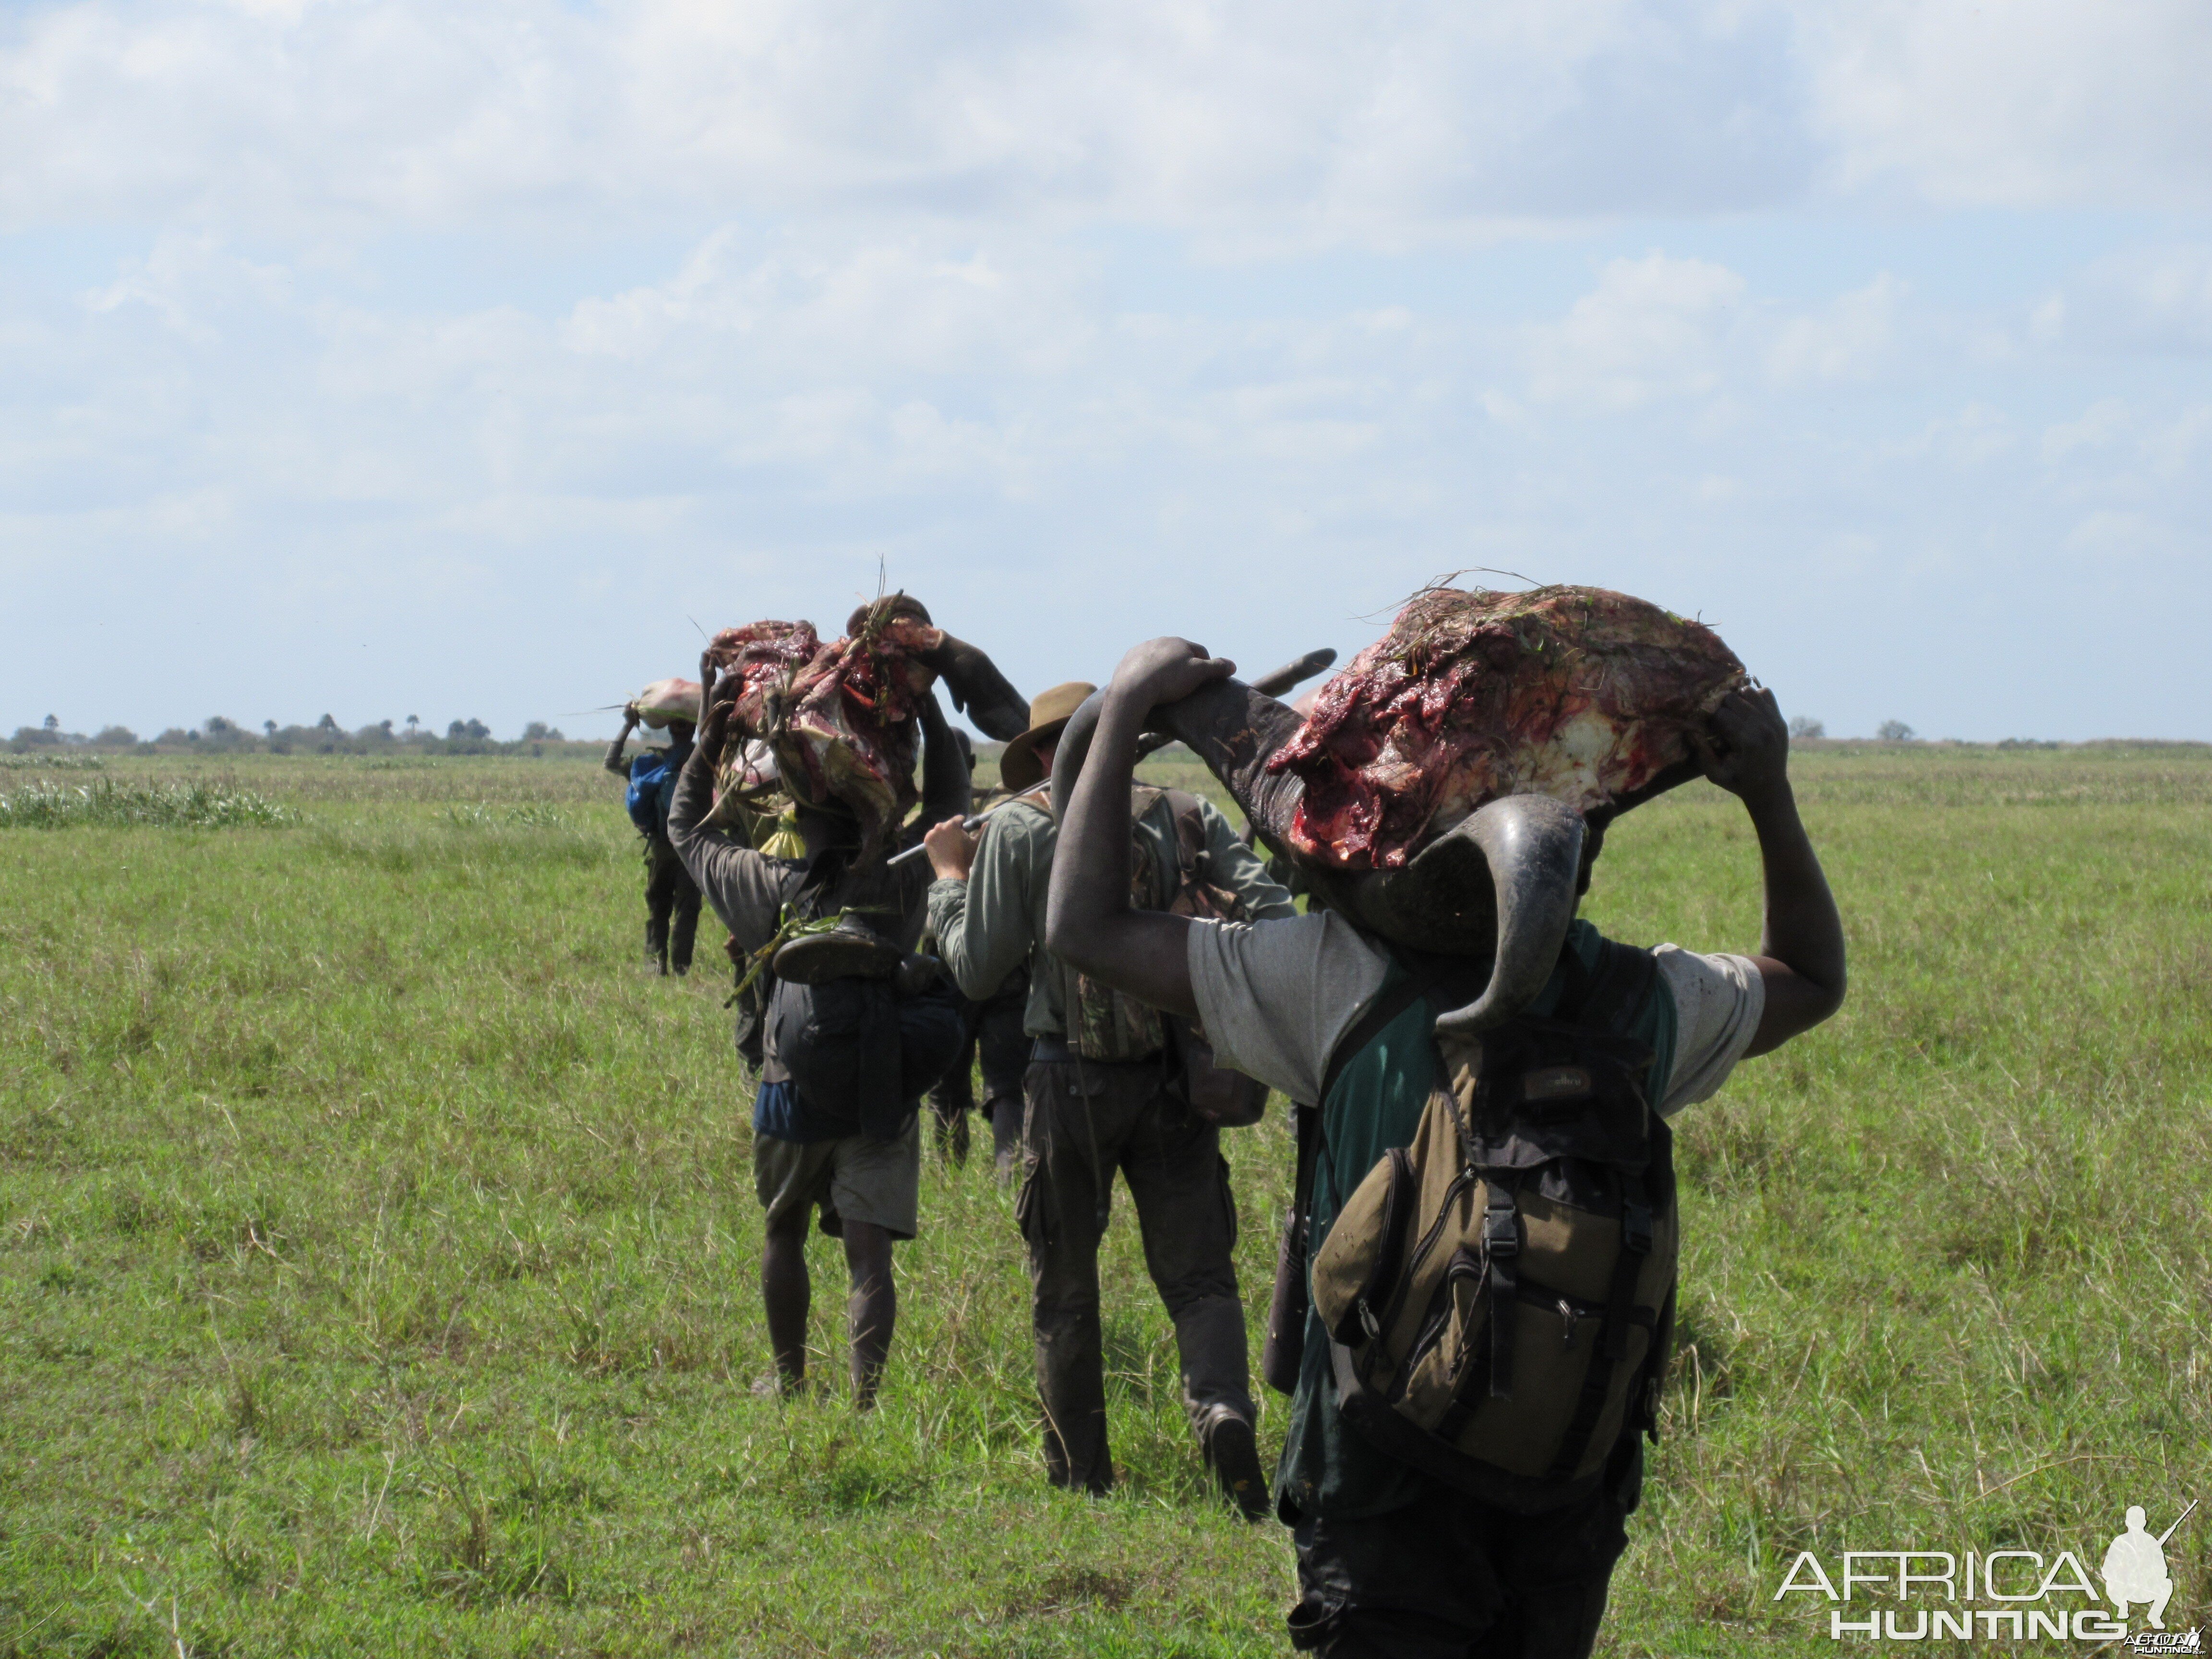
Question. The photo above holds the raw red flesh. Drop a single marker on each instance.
(842, 717)
(1577, 693)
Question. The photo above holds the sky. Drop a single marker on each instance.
(466, 358)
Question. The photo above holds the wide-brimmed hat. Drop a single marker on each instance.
(1018, 766)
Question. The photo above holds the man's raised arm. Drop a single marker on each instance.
(1089, 921)
(947, 786)
(745, 889)
(1800, 947)
(614, 762)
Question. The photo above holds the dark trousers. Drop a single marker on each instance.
(672, 907)
(1085, 1121)
(1450, 1576)
(995, 1036)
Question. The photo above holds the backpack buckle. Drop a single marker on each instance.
(1635, 1228)
(1501, 1239)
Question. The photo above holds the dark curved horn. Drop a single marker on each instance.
(978, 689)
(1532, 846)
(1293, 674)
(1230, 727)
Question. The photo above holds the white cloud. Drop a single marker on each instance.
(1846, 341)
(2142, 298)
(2118, 534)
(1652, 328)
(2100, 425)
(2015, 103)
(1222, 116)
(1249, 125)
(1975, 435)
(2171, 449)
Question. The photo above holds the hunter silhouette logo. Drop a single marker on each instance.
(2135, 1567)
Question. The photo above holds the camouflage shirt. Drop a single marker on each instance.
(989, 925)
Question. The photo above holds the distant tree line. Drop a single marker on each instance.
(220, 735)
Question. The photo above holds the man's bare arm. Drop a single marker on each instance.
(1800, 947)
(1089, 921)
(614, 762)
(946, 787)
(745, 889)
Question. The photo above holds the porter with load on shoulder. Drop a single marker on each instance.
(1487, 1197)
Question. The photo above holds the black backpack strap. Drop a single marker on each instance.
(1501, 1248)
(1643, 1409)
(1618, 986)
(1305, 1122)
(1283, 1355)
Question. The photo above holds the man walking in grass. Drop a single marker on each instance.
(854, 1155)
(672, 897)
(1408, 1543)
(1088, 1117)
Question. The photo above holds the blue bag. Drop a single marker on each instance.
(650, 778)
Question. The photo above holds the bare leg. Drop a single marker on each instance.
(872, 1310)
(787, 1291)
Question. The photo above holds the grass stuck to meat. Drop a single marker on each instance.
(378, 1249)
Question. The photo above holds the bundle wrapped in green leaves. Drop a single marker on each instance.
(841, 719)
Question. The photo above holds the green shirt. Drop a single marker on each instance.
(989, 925)
(1327, 1466)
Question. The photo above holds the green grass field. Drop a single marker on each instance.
(377, 1247)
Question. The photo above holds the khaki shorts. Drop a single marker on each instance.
(854, 1179)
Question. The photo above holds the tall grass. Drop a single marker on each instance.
(110, 802)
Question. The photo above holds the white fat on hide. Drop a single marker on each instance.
(1584, 764)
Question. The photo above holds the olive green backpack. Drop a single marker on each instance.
(1499, 1295)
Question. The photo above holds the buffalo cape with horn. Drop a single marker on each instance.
(1447, 786)
(840, 717)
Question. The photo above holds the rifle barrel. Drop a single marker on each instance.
(970, 825)
(2176, 1527)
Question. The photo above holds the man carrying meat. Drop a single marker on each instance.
(672, 897)
(862, 1170)
(1086, 1118)
(1399, 1556)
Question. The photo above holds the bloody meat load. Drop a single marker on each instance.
(841, 717)
(1577, 693)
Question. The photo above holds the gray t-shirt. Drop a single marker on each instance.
(1276, 997)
